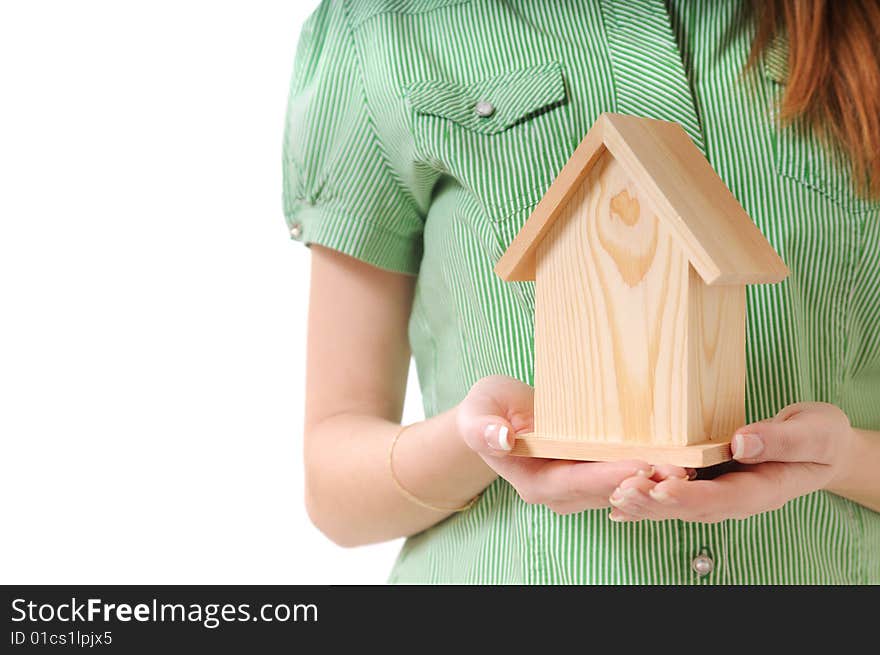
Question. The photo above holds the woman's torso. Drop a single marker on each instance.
(813, 337)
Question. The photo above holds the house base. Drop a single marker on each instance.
(697, 455)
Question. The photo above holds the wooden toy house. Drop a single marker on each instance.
(641, 256)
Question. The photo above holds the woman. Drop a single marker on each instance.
(421, 134)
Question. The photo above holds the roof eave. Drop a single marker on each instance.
(517, 264)
(705, 249)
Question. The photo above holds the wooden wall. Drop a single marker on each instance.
(612, 320)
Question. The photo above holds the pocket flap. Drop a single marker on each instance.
(513, 96)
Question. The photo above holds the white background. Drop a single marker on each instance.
(152, 306)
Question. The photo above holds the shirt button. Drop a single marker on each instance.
(703, 565)
(484, 108)
(296, 230)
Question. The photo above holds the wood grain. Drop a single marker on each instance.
(720, 239)
(716, 360)
(692, 456)
(611, 319)
(709, 224)
(641, 256)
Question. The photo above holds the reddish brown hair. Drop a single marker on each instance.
(833, 74)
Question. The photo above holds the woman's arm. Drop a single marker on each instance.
(357, 363)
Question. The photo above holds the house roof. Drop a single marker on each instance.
(718, 237)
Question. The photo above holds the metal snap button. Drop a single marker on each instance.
(703, 565)
(484, 108)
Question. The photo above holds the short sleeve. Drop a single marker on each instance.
(340, 190)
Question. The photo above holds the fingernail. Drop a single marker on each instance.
(747, 446)
(502, 441)
(617, 518)
(692, 474)
(659, 495)
(621, 496)
(646, 473)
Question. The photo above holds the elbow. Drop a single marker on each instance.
(330, 524)
(325, 493)
(326, 525)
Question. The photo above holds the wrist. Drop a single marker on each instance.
(433, 462)
(845, 460)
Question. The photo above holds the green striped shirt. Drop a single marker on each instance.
(386, 160)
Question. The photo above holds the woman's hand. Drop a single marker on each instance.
(497, 408)
(800, 450)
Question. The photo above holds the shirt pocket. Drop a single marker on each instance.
(501, 138)
(802, 157)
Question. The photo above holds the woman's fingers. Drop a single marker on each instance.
(775, 442)
(664, 471)
(632, 497)
(804, 432)
(619, 516)
(568, 487)
(578, 479)
(495, 409)
(736, 495)
(631, 500)
(499, 395)
(488, 435)
(668, 499)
